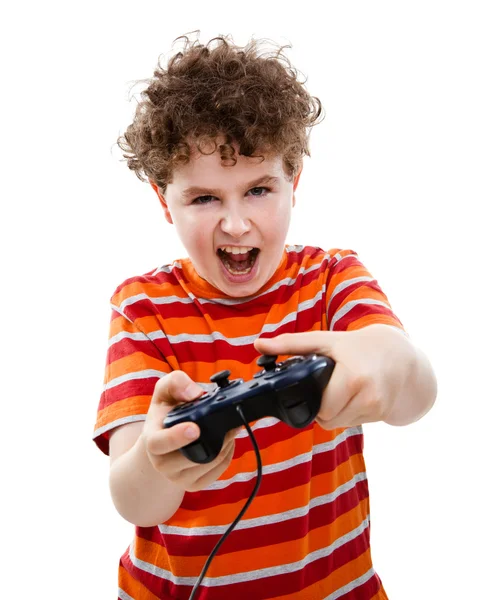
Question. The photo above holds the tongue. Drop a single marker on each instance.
(238, 257)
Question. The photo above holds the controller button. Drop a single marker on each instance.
(259, 374)
(253, 385)
(219, 398)
(221, 378)
(267, 362)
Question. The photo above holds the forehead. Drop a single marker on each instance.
(208, 169)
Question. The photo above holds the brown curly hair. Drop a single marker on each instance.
(216, 95)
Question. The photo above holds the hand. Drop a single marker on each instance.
(162, 445)
(372, 367)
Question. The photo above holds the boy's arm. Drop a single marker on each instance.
(141, 494)
(148, 476)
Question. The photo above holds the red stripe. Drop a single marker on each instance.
(133, 387)
(126, 346)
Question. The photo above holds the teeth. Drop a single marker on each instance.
(237, 249)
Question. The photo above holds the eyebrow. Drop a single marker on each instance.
(204, 191)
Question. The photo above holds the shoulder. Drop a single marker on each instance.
(148, 289)
(308, 256)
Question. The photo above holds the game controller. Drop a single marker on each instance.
(290, 391)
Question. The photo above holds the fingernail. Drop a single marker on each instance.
(191, 391)
(191, 433)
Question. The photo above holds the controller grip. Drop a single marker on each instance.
(203, 450)
(300, 403)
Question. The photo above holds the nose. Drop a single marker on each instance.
(234, 223)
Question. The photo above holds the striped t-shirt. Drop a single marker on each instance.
(306, 534)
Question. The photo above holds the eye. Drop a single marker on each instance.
(260, 191)
(203, 200)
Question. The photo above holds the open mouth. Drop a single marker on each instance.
(238, 260)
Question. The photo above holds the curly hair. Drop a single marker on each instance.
(216, 95)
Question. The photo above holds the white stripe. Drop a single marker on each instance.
(350, 305)
(139, 337)
(351, 585)
(260, 424)
(122, 595)
(167, 268)
(288, 515)
(298, 248)
(252, 575)
(154, 300)
(117, 423)
(135, 375)
(345, 284)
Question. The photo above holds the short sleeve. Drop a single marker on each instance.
(133, 366)
(354, 298)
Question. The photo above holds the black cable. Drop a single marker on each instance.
(244, 509)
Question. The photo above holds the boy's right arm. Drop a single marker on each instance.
(148, 474)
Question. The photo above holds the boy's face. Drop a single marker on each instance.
(233, 220)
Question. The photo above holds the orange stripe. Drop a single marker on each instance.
(363, 293)
(128, 407)
(132, 363)
(134, 588)
(120, 324)
(372, 320)
(151, 289)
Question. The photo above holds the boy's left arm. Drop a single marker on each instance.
(379, 375)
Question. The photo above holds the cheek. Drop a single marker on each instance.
(196, 234)
(276, 220)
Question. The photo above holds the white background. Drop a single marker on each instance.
(403, 170)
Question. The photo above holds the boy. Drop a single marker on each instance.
(220, 134)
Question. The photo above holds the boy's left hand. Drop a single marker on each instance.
(372, 367)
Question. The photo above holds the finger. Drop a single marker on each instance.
(342, 387)
(176, 387)
(296, 343)
(187, 474)
(351, 415)
(163, 441)
(181, 463)
(215, 472)
(364, 407)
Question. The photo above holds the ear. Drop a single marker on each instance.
(296, 183)
(163, 202)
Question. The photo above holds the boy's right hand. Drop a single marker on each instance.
(162, 445)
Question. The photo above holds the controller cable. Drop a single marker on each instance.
(245, 507)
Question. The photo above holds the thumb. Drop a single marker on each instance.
(176, 387)
(295, 343)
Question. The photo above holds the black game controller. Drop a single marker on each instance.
(290, 391)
